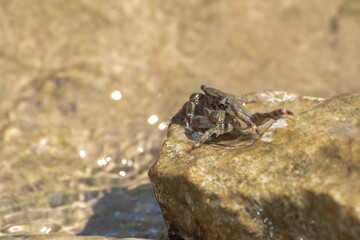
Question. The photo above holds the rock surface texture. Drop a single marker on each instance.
(300, 180)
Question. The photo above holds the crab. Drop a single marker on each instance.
(218, 113)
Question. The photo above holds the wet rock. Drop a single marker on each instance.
(300, 180)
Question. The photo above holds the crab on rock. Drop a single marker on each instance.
(218, 113)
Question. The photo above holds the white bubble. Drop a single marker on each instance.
(122, 173)
(163, 125)
(140, 149)
(101, 162)
(45, 229)
(116, 95)
(153, 119)
(82, 153)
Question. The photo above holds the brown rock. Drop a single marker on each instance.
(300, 180)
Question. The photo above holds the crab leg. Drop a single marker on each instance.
(218, 118)
(261, 118)
(219, 129)
(191, 107)
(242, 115)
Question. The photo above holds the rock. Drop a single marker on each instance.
(300, 180)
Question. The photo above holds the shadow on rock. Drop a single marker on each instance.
(314, 216)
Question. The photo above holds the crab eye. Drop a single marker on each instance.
(195, 96)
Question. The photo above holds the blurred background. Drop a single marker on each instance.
(87, 89)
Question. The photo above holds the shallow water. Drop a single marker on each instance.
(73, 161)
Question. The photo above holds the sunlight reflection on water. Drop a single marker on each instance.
(116, 95)
(113, 141)
(153, 119)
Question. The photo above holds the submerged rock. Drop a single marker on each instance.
(300, 180)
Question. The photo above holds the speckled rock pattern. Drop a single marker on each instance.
(300, 180)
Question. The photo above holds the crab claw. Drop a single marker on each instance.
(285, 111)
(194, 146)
